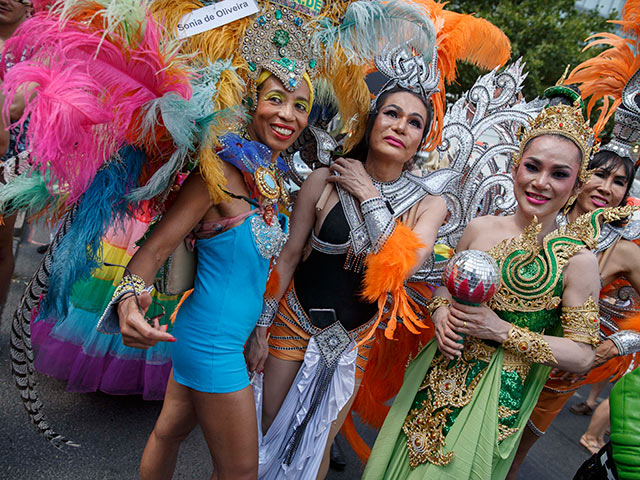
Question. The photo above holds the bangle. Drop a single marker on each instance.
(530, 345)
(269, 311)
(130, 283)
(582, 323)
(437, 302)
(379, 221)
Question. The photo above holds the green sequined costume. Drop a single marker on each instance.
(462, 419)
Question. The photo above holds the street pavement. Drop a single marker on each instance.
(112, 430)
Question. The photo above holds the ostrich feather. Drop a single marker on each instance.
(26, 192)
(89, 94)
(604, 76)
(369, 26)
(103, 203)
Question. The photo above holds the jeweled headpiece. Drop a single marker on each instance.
(626, 131)
(405, 69)
(566, 121)
(279, 41)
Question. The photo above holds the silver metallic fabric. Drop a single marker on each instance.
(379, 221)
(627, 341)
(626, 129)
(269, 310)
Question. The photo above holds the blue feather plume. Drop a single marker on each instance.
(103, 203)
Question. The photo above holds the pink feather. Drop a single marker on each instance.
(90, 92)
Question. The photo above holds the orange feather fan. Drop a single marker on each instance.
(604, 76)
(461, 38)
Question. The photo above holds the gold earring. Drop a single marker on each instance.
(569, 203)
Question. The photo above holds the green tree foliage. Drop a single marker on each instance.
(548, 34)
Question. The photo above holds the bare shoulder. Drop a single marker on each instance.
(314, 184)
(627, 249)
(433, 203)
(582, 269)
(484, 223)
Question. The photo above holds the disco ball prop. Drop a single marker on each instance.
(471, 277)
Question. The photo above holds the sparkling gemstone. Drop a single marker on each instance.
(293, 82)
(313, 63)
(281, 38)
(252, 66)
(278, 14)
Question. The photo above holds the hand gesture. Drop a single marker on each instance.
(135, 329)
(449, 343)
(478, 321)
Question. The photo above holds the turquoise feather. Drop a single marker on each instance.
(370, 26)
(26, 192)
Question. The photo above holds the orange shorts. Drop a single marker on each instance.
(555, 393)
(291, 330)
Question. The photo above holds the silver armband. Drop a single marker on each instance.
(627, 341)
(379, 220)
(269, 310)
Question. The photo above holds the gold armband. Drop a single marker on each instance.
(530, 345)
(582, 323)
(437, 302)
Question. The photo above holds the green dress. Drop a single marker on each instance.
(462, 419)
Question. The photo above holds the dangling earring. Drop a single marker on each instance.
(569, 203)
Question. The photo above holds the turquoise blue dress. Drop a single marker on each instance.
(215, 321)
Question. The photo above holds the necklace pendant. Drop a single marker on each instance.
(268, 215)
(267, 183)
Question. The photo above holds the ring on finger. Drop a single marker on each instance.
(464, 324)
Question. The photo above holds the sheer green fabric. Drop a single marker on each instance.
(473, 436)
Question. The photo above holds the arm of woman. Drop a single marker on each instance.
(303, 219)
(191, 204)
(449, 342)
(431, 215)
(572, 353)
(624, 262)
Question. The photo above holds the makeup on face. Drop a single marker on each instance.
(280, 115)
(546, 176)
(606, 188)
(398, 128)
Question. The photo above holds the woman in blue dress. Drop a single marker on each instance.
(235, 243)
(209, 384)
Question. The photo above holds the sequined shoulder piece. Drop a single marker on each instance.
(530, 273)
(588, 227)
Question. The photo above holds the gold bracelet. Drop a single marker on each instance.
(530, 345)
(582, 323)
(131, 283)
(437, 302)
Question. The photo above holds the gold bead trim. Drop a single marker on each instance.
(529, 345)
(582, 323)
(437, 302)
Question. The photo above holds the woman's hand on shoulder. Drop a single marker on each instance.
(136, 331)
(351, 175)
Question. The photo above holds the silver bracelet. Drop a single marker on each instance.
(627, 341)
(379, 221)
(269, 310)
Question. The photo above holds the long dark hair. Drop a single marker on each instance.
(608, 162)
(361, 149)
